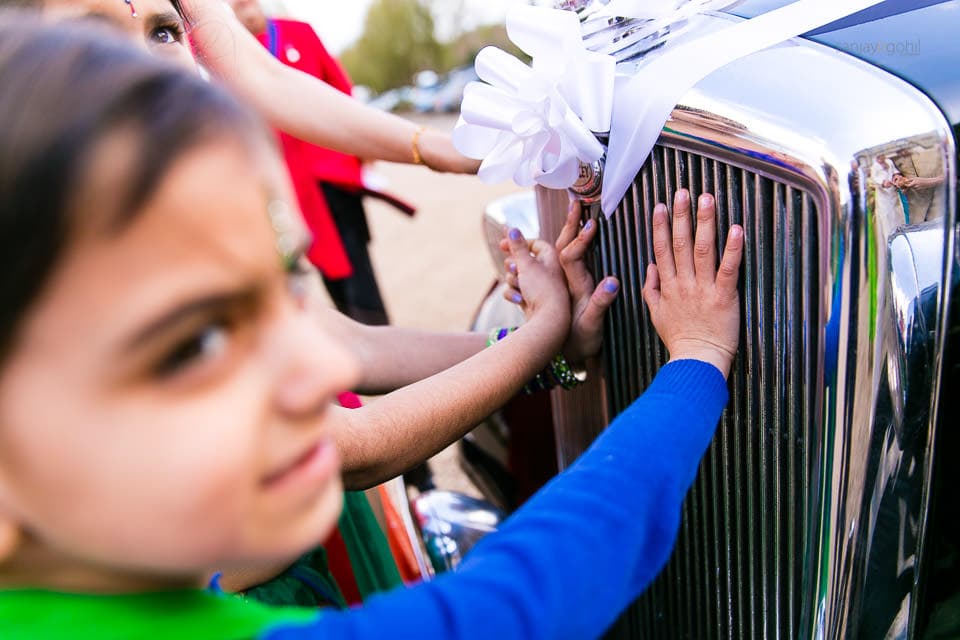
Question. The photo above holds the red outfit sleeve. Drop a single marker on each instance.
(300, 48)
(327, 251)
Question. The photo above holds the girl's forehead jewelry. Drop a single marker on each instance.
(133, 9)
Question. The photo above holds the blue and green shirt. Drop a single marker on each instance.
(563, 566)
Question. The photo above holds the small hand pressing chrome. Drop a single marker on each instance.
(537, 273)
(588, 302)
(694, 305)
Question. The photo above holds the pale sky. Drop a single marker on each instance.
(340, 23)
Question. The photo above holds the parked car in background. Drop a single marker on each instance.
(362, 93)
(392, 99)
(430, 93)
(824, 506)
(449, 94)
(425, 86)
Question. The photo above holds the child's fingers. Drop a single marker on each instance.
(729, 272)
(591, 320)
(512, 281)
(577, 247)
(512, 295)
(662, 247)
(683, 234)
(505, 246)
(544, 252)
(569, 231)
(579, 278)
(509, 265)
(520, 249)
(651, 288)
(705, 245)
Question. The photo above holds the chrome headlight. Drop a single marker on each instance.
(514, 211)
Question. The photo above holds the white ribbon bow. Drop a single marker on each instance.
(534, 123)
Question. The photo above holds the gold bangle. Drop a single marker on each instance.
(415, 146)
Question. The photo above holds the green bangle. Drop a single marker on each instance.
(563, 373)
(558, 373)
(498, 334)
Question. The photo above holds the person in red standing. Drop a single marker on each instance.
(329, 184)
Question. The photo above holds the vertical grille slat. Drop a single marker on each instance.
(636, 303)
(622, 247)
(738, 568)
(751, 410)
(781, 341)
(644, 246)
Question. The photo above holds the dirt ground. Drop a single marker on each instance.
(434, 268)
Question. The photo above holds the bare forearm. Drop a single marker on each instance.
(392, 357)
(927, 183)
(305, 107)
(406, 427)
(396, 357)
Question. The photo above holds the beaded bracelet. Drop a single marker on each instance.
(496, 335)
(558, 373)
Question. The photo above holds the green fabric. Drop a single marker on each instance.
(34, 615)
(309, 583)
(373, 564)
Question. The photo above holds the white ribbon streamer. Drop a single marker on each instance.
(640, 112)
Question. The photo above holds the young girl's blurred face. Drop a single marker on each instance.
(164, 408)
(156, 25)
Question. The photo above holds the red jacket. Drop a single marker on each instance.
(297, 45)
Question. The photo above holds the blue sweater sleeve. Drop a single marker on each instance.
(584, 547)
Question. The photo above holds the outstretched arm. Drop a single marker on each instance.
(304, 107)
(403, 428)
(922, 183)
(392, 357)
(567, 562)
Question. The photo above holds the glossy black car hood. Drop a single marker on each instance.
(922, 46)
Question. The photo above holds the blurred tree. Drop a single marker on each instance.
(463, 50)
(398, 40)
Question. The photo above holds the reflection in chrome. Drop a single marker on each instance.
(915, 269)
(451, 524)
(807, 520)
(630, 39)
(588, 186)
(518, 210)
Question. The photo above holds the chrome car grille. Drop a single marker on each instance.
(739, 566)
(810, 517)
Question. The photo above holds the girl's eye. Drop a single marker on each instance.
(207, 344)
(169, 34)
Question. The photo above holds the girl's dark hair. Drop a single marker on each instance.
(64, 89)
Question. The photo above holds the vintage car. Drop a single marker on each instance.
(823, 508)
